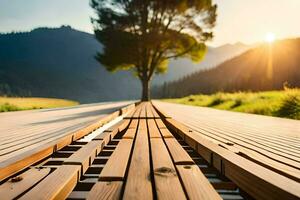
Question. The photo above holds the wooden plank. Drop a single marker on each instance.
(179, 155)
(128, 109)
(153, 130)
(166, 133)
(106, 191)
(259, 182)
(155, 114)
(20, 162)
(143, 110)
(12, 189)
(58, 185)
(164, 172)
(196, 184)
(142, 124)
(115, 167)
(64, 142)
(138, 184)
(129, 134)
(124, 125)
(133, 123)
(161, 113)
(137, 111)
(149, 111)
(115, 129)
(105, 137)
(160, 124)
(85, 155)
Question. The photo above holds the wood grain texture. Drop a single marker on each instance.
(138, 184)
(160, 124)
(166, 133)
(153, 130)
(85, 155)
(106, 191)
(115, 167)
(166, 179)
(58, 185)
(259, 182)
(268, 141)
(133, 123)
(30, 136)
(10, 190)
(179, 155)
(196, 184)
(129, 134)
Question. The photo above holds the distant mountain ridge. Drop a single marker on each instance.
(59, 62)
(265, 67)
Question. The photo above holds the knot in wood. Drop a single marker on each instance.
(165, 171)
(16, 179)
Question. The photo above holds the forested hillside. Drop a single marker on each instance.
(266, 67)
(59, 63)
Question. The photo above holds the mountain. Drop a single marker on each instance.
(265, 67)
(183, 67)
(59, 62)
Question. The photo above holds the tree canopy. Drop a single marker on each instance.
(143, 35)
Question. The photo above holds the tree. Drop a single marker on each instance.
(142, 35)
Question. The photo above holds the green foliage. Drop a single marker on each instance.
(143, 35)
(273, 103)
(290, 106)
(6, 107)
(26, 103)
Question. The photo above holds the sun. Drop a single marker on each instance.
(270, 37)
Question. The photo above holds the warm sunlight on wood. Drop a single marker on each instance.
(270, 37)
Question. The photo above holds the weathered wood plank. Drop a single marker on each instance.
(179, 155)
(142, 124)
(58, 185)
(164, 172)
(129, 134)
(12, 189)
(106, 191)
(85, 155)
(160, 124)
(166, 133)
(105, 137)
(138, 184)
(196, 184)
(133, 123)
(149, 113)
(259, 182)
(20, 162)
(153, 130)
(115, 167)
(143, 110)
(155, 114)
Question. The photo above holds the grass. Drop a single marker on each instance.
(18, 103)
(284, 103)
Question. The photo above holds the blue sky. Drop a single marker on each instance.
(245, 21)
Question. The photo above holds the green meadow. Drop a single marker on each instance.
(284, 103)
(23, 103)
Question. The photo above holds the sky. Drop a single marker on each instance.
(247, 21)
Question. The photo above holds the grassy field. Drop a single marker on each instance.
(16, 103)
(284, 103)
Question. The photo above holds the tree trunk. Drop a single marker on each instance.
(146, 90)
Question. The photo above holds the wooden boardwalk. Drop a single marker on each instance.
(24, 133)
(271, 142)
(151, 155)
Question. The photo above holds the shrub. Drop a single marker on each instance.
(8, 107)
(217, 100)
(290, 107)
